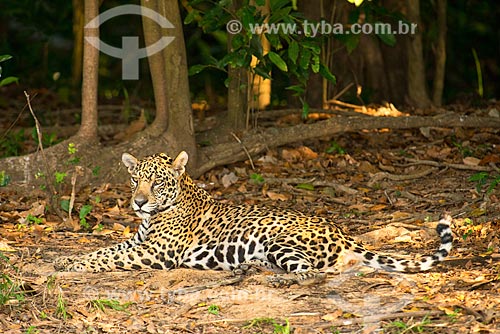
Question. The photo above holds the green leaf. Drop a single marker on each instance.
(387, 39)
(293, 51)
(258, 70)
(85, 210)
(325, 73)
(278, 61)
(315, 64)
(5, 57)
(65, 205)
(305, 58)
(305, 186)
(191, 16)
(298, 89)
(260, 2)
(195, 69)
(305, 110)
(350, 41)
(8, 81)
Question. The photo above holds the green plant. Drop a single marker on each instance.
(277, 328)
(403, 327)
(103, 304)
(8, 80)
(32, 330)
(60, 176)
(61, 311)
(482, 178)
(84, 211)
(214, 309)
(96, 170)
(305, 186)
(468, 222)
(335, 148)
(47, 140)
(4, 179)
(10, 288)
(72, 153)
(32, 219)
(11, 143)
(257, 179)
(297, 61)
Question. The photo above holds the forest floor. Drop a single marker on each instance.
(388, 188)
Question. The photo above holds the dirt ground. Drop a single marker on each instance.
(386, 187)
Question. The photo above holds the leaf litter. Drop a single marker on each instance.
(387, 188)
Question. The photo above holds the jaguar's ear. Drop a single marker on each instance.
(179, 164)
(129, 161)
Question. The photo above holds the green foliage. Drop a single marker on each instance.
(483, 178)
(257, 179)
(8, 80)
(403, 327)
(11, 143)
(84, 211)
(10, 287)
(103, 304)
(61, 311)
(335, 148)
(469, 232)
(60, 176)
(295, 55)
(277, 328)
(214, 309)
(4, 179)
(32, 330)
(65, 204)
(35, 220)
(47, 140)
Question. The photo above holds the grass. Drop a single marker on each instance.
(113, 304)
(277, 327)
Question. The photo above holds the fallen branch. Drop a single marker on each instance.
(414, 162)
(376, 318)
(258, 141)
(384, 175)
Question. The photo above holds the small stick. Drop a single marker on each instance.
(48, 171)
(244, 149)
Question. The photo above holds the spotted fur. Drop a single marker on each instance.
(182, 225)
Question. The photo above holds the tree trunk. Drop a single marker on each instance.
(76, 64)
(180, 132)
(152, 33)
(437, 93)
(417, 92)
(88, 128)
(237, 99)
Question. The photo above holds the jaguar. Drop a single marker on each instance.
(184, 226)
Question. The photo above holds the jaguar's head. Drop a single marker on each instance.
(154, 181)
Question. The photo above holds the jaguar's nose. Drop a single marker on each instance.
(140, 200)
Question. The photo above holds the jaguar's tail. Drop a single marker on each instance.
(424, 263)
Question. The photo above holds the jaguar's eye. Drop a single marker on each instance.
(134, 181)
(158, 183)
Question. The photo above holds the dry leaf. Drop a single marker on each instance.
(278, 197)
(471, 161)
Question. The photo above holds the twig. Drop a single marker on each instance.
(244, 149)
(191, 289)
(78, 171)
(339, 94)
(414, 162)
(377, 318)
(384, 175)
(48, 171)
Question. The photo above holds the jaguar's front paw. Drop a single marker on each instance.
(68, 263)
